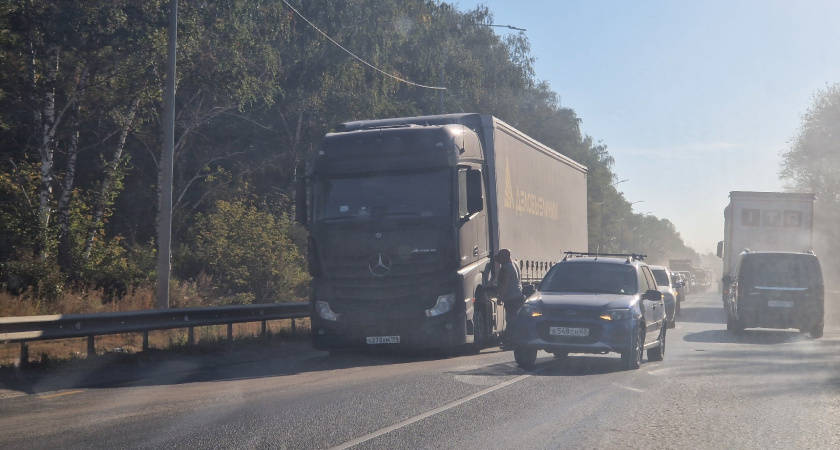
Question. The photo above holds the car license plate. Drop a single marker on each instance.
(383, 340)
(780, 303)
(566, 331)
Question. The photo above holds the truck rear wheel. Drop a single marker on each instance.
(817, 330)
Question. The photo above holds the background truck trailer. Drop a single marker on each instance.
(765, 221)
(404, 217)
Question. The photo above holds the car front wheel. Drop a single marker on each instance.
(525, 357)
(631, 358)
(658, 353)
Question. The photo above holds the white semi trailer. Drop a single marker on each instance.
(764, 221)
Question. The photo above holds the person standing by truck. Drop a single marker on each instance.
(510, 288)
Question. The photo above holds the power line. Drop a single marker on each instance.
(360, 59)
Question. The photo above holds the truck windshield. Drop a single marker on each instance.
(426, 194)
(595, 277)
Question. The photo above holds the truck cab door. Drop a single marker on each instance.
(472, 217)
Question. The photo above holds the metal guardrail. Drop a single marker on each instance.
(38, 328)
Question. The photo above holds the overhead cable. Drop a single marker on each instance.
(437, 88)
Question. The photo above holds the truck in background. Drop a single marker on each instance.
(405, 214)
(764, 221)
(683, 266)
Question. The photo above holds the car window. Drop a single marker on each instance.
(651, 283)
(661, 277)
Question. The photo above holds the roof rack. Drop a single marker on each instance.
(629, 256)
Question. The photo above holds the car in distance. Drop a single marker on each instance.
(595, 304)
(777, 290)
(662, 276)
(678, 282)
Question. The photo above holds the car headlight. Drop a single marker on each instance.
(616, 314)
(442, 306)
(324, 311)
(530, 310)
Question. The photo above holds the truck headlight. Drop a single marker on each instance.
(442, 306)
(616, 314)
(324, 311)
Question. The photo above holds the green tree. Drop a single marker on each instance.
(247, 252)
(812, 164)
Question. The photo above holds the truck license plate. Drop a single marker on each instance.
(566, 331)
(383, 340)
(780, 303)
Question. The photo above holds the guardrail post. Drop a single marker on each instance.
(91, 348)
(190, 336)
(294, 330)
(145, 341)
(230, 332)
(262, 329)
(24, 354)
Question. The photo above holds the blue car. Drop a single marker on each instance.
(591, 303)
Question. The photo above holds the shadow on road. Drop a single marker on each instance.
(702, 314)
(749, 336)
(162, 367)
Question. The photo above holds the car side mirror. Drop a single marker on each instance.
(528, 290)
(653, 295)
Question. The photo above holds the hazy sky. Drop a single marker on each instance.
(692, 98)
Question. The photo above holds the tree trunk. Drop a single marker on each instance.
(65, 257)
(46, 148)
(104, 195)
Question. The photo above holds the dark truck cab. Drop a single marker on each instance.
(403, 221)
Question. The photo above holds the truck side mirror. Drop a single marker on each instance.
(475, 201)
(720, 249)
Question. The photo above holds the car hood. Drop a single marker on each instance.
(582, 301)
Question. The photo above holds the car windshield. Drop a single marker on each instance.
(785, 271)
(661, 277)
(603, 278)
(426, 194)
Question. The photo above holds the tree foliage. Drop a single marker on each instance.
(80, 128)
(812, 164)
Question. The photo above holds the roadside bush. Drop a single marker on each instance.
(34, 277)
(247, 252)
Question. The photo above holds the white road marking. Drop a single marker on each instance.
(628, 388)
(437, 410)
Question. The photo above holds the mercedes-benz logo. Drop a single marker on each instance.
(379, 264)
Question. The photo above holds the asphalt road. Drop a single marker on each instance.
(764, 389)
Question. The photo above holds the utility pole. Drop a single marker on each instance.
(166, 165)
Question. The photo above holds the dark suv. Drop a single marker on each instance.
(593, 304)
(777, 290)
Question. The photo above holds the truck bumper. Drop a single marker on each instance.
(446, 330)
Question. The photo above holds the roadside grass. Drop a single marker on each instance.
(182, 295)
